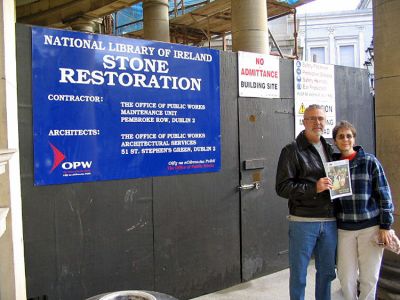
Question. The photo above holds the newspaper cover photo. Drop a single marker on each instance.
(339, 173)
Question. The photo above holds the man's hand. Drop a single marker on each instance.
(323, 184)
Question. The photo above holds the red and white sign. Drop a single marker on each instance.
(258, 75)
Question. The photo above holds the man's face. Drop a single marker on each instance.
(314, 122)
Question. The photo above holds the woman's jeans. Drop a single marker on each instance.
(306, 238)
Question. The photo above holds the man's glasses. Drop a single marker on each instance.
(315, 119)
(343, 136)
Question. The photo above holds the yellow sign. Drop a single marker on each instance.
(302, 109)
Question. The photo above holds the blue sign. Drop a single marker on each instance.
(107, 107)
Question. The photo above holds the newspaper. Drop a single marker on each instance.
(339, 172)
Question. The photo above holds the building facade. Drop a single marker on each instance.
(339, 38)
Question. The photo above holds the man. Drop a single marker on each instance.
(301, 178)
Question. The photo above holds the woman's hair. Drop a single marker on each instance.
(345, 125)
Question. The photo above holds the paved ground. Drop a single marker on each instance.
(271, 287)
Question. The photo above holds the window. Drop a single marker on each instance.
(346, 54)
(317, 54)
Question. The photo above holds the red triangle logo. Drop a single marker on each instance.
(58, 157)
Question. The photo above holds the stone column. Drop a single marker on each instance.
(12, 265)
(250, 26)
(332, 46)
(361, 45)
(156, 20)
(83, 24)
(387, 93)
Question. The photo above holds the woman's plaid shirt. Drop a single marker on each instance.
(371, 192)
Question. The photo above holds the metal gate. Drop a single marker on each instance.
(264, 226)
(266, 125)
(184, 235)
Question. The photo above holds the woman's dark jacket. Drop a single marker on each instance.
(299, 168)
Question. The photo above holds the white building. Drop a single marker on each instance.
(339, 37)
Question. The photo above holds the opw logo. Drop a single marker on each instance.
(58, 157)
(76, 165)
(70, 168)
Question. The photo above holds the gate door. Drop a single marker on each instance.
(265, 126)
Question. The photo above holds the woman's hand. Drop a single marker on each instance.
(384, 236)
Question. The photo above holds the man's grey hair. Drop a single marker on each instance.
(313, 106)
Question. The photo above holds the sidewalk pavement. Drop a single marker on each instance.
(271, 287)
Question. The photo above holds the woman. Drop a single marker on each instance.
(361, 217)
